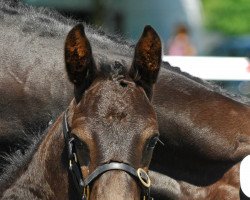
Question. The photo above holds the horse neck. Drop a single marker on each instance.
(217, 126)
(46, 176)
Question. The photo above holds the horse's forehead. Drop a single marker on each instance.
(116, 117)
(109, 100)
(115, 93)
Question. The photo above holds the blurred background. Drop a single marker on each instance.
(187, 28)
(225, 24)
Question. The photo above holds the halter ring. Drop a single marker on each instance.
(146, 183)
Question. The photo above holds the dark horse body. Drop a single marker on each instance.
(206, 131)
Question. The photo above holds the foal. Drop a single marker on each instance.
(111, 122)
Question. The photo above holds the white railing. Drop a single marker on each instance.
(213, 68)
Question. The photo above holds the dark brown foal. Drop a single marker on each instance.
(110, 123)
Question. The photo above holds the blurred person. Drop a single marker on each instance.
(180, 44)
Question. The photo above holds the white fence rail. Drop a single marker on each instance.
(213, 68)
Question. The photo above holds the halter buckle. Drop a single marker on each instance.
(85, 193)
(146, 182)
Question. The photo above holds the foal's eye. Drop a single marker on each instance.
(152, 142)
(79, 144)
(83, 154)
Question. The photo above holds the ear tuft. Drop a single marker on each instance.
(147, 59)
(79, 60)
(78, 55)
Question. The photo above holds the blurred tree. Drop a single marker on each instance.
(232, 17)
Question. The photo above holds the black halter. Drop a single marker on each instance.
(82, 185)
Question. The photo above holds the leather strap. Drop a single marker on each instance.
(112, 166)
(74, 168)
(66, 129)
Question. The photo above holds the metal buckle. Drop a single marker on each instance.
(75, 157)
(86, 193)
(147, 182)
(148, 198)
(70, 164)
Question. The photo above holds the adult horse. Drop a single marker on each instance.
(205, 130)
(206, 135)
(110, 129)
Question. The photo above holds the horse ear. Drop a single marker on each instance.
(147, 59)
(79, 59)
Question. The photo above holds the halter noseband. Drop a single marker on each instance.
(82, 185)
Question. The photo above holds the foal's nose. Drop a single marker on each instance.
(115, 185)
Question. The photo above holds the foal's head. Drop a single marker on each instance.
(112, 118)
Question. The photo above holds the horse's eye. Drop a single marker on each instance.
(83, 154)
(152, 142)
(79, 144)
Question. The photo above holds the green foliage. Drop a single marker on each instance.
(231, 17)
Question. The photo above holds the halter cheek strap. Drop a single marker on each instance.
(82, 185)
(74, 168)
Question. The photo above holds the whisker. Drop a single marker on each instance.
(162, 143)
